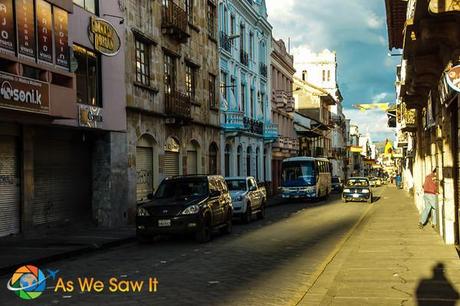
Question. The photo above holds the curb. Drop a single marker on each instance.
(86, 249)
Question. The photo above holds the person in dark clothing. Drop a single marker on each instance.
(437, 290)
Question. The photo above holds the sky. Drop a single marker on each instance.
(356, 30)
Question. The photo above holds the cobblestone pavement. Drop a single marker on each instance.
(267, 262)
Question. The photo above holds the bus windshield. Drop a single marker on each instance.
(297, 174)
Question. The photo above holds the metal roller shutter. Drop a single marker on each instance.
(9, 187)
(171, 163)
(62, 177)
(144, 168)
(192, 162)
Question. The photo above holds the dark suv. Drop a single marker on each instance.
(186, 204)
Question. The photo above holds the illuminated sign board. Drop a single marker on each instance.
(7, 34)
(44, 31)
(104, 36)
(23, 94)
(25, 23)
(453, 78)
(61, 37)
(90, 116)
(444, 6)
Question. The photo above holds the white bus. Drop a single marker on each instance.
(306, 177)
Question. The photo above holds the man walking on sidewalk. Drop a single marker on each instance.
(430, 190)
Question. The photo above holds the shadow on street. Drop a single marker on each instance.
(436, 290)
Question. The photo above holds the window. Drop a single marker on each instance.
(304, 75)
(251, 47)
(212, 92)
(170, 74)
(262, 104)
(328, 75)
(223, 84)
(189, 10)
(213, 158)
(251, 99)
(324, 75)
(190, 82)
(243, 98)
(242, 45)
(227, 160)
(257, 163)
(248, 161)
(89, 5)
(211, 16)
(232, 27)
(238, 160)
(88, 76)
(142, 63)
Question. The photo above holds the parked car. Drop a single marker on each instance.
(336, 184)
(372, 181)
(248, 198)
(357, 189)
(186, 204)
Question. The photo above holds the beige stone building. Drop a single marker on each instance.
(172, 95)
(282, 73)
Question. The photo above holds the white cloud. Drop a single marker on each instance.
(374, 122)
(382, 97)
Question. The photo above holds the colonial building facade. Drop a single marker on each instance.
(428, 101)
(172, 92)
(62, 141)
(282, 73)
(244, 47)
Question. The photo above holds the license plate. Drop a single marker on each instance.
(164, 223)
(356, 196)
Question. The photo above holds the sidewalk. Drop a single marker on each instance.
(387, 260)
(59, 244)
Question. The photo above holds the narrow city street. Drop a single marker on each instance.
(269, 262)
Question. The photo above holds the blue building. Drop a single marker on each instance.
(245, 38)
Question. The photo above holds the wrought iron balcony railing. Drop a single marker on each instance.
(174, 21)
(271, 131)
(244, 58)
(233, 121)
(225, 42)
(178, 105)
(253, 126)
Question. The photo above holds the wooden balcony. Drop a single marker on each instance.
(178, 107)
(174, 21)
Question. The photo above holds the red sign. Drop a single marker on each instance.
(7, 35)
(25, 22)
(44, 31)
(61, 37)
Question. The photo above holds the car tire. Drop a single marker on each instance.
(261, 213)
(370, 200)
(203, 234)
(247, 216)
(227, 229)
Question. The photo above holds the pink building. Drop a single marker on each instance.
(282, 72)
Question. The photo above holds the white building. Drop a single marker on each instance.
(320, 69)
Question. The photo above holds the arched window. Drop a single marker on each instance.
(248, 161)
(227, 160)
(213, 158)
(238, 160)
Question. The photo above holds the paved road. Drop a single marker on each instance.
(269, 262)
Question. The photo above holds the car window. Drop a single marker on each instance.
(358, 183)
(236, 184)
(335, 180)
(181, 189)
(224, 185)
(250, 183)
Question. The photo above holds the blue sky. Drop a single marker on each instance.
(356, 30)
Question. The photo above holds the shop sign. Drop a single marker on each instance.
(453, 78)
(104, 37)
(356, 149)
(44, 31)
(90, 116)
(61, 38)
(25, 23)
(24, 94)
(444, 6)
(7, 34)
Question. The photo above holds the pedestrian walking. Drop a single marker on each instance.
(430, 191)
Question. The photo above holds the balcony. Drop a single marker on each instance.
(263, 70)
(178, 106)
(174, 21)
(225, 42)
(253, 126)
(233, 121)
(271, 131)
(280, 98)
(407, 117)
(290, 104)
(244, 58)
